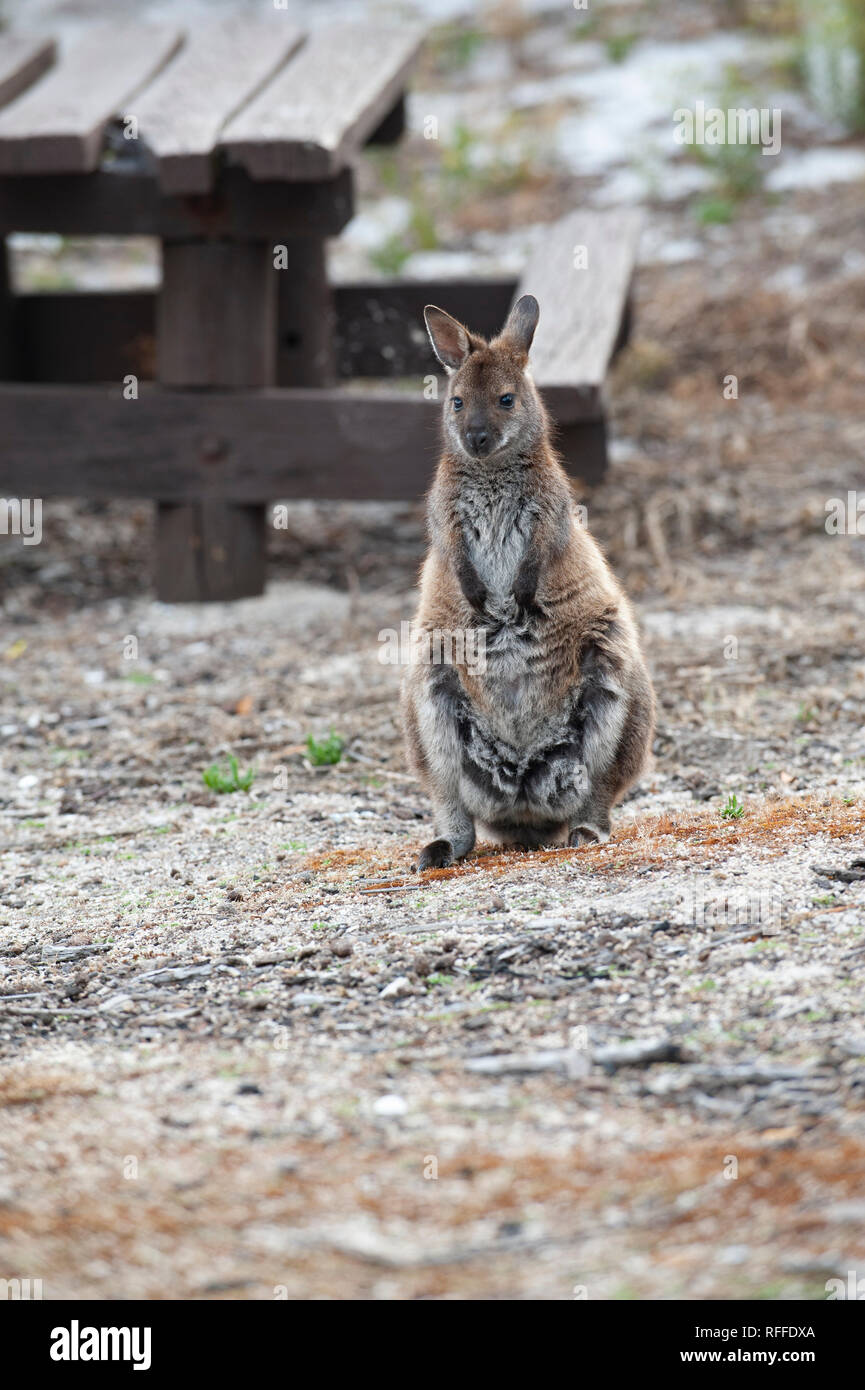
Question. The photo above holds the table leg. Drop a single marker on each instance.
(216, 327)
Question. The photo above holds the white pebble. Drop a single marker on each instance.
(390, 1105)
(401, 985)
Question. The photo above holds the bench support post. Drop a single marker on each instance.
(306, 353)
(216, 327)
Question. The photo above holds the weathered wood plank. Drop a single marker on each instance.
(216, 327)
(80, 441)
(247, 446)
(126, 204)
(335, 91)
(582, 305)
(221, 67)
(56, 126)
(22, 60)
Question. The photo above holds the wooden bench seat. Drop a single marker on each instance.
(581, 276)
(314, 117)
(261, 93)
(22, 60)
(57, 125)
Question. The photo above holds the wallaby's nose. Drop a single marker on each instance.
(477, 440)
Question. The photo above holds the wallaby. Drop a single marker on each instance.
(535, 742)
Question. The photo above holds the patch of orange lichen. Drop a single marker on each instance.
(651, 841)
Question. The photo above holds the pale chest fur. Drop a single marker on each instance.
(497, 526)
(513, 696)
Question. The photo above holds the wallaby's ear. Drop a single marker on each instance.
(522, 322)
(451, 343)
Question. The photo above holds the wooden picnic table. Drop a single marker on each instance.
(234, 144)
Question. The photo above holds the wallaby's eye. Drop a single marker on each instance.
(457, 402)
(506, 400)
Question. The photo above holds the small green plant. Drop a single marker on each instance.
(391, 256)
(619, 46)
(587, 27)
(326, 751)
(387, 167)
(228, 777)
(423, 228)
(713, 212)
(457, 154)
(735, 168)
(734, 163)
(732, 808)
(453, 46)
(419, 235)
(824, 900)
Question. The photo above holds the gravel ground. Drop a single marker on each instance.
(247, 1049)
(247, 1053)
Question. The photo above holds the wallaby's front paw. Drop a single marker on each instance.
(524, 593)
(526, 587)
(472, 585)
(438, 854)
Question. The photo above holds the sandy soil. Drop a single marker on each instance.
(247, 1053)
